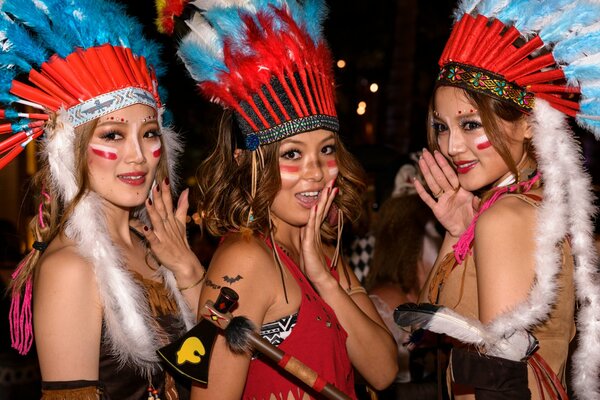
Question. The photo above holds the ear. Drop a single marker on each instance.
(527, 128)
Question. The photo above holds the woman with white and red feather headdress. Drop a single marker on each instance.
(106, 296)
(277, 188)
(517, 266)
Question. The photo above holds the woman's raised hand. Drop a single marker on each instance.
(312, 257)
(167, 237)
(453, 206)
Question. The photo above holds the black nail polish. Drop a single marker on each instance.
(167, 181)
(150, 201)
(146, 228)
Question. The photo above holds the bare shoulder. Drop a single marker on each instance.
(246, 265)
(241, 254)
(510, 216)
(63, 266)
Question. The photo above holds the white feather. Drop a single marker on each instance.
(203, 34)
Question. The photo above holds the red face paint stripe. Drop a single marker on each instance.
(105, 154)
(289, 168)
(484, 145)
(332, 163)
(156, 153)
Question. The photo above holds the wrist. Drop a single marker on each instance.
(189, 275)
(326, 284)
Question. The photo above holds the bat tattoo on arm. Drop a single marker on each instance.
(230, 280)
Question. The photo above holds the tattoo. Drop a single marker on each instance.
(211, 284)
(229, 280)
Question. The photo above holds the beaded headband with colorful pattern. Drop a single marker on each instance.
(482, 81)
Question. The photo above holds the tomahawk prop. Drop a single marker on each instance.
(190, 355)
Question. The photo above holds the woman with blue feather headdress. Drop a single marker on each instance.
(111, 277)
(518, 266)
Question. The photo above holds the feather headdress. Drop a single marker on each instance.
(542, 57)
(74, 61)
(264, 59)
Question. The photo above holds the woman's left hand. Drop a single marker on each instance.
(312, 259)
(167, 237)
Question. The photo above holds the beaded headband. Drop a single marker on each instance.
(482, 81)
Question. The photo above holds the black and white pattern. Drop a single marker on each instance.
(360, 255)
(276, 332)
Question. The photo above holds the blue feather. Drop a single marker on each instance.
(315, 14)
(227, 22)
(201, 64)
(576, 47)
(24, 46)
(583, 15)
(590, 107)
(588, 71)
(8, 60)
(9, 113)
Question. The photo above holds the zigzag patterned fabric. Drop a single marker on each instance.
(265, 59)
(72, 62)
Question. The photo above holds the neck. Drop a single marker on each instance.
(286, 235)
(117, 222)
(525, 170)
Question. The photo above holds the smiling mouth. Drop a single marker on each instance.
(463, 167)
(308, 199)
(133, 179)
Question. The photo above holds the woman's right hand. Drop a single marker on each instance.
(453, 206)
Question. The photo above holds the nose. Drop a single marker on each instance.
(313, 169)
(134, 153)
(456, 143)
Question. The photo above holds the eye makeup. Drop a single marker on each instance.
(108, 152)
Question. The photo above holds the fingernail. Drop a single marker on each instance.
(146, 228)
(167, 181)
(158, 188)
(149, 201)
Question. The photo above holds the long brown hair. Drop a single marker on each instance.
(225, 185)
(491, 111)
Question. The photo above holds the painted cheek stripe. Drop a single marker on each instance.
(288, 172)
(157, 150)
(110, 153)
(482, 142)
(332, 167)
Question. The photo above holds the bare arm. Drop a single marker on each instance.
(67, 317)
(240, 265)
(504, 255)
(371, 347)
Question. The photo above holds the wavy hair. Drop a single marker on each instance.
(225, 182)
